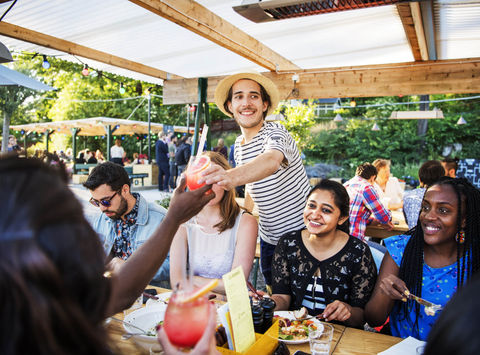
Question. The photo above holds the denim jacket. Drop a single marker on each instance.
(150, 215)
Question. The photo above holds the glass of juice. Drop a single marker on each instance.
(195, 168)
(185, 321)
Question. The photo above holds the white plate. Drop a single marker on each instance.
(144, 318)
(289, 315)
(163, 299)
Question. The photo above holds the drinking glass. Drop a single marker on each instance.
(420, 350)
(185, 322)
(320, 337)
(194, 170)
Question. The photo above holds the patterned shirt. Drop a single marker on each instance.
(412, 203)
(364, 201)
(125, 229)
(281, 196)
(438, 286)
(348, 276)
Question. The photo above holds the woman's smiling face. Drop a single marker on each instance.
(438, 215)
(321, 215)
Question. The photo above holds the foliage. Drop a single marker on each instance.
(298, 121)
(164, 202)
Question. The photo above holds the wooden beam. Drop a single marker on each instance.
(412, 24)
(460, 76)
(196, 18)
(418, 23)
(27, 35)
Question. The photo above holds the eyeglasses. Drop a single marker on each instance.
(104, 202)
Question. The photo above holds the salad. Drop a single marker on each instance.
(293, 329)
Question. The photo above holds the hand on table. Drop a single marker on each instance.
(205, 346)
(393, 287)
(337, 310)
(389, 226)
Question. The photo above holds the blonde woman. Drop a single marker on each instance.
(220, 238)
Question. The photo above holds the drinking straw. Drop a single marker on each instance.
(202, 142)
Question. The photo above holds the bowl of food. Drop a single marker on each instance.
(142, 323)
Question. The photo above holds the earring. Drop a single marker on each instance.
(460, 237)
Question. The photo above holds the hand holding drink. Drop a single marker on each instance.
(194, 171)
(187, 315)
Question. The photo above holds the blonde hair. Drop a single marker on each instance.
(229, 208)
(381, 163)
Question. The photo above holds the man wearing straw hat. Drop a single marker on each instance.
(267, 158)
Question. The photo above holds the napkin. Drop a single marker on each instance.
(407, 346)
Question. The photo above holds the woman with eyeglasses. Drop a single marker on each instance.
(321, 267)
(54, 294)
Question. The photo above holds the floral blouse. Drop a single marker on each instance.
(348, 276)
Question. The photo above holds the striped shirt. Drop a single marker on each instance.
(281, 196)
(314, 299)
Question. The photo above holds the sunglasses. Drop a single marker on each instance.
(105, 202)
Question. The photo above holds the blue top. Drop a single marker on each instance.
(438, 286)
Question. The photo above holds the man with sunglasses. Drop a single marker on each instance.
(126, 220)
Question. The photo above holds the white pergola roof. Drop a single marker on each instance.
(154, 40)
(95, 126)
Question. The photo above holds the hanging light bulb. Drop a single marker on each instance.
(85, 70)
(353, 103)
(375, 127)
(121, 89)
(338, 118)
(461, 121)
(45, 63)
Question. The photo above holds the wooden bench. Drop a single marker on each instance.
(132, 176)
(82, 169)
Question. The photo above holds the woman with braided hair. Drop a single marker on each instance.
(433, 260)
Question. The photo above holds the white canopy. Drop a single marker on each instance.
(135, 38)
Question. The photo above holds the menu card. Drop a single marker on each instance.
(240, 311)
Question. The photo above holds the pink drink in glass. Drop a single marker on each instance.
(194, 170)
(185, 322)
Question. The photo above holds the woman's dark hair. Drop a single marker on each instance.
(263, 94)
(451, 163)
(114, 175)
(366, 171)
(430, 172)
(456, 330)
(340, 197)
(52, 287)
(468, 253)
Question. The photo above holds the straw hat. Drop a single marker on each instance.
(223, 87)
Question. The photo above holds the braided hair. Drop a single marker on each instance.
(468, 252)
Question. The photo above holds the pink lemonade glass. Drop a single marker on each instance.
(194, 170)
(185, 322)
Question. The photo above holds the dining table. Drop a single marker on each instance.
(345, 341)
(379, 232)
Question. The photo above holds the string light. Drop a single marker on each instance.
(338, 118)
(121, 90)
(85, 70)
(45, 63)
(375, 127)
(353, 103)
(461, 121)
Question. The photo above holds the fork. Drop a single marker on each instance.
(430, 308)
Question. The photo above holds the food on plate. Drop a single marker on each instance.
(300, 313)
(293, 329)
(152, 331)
